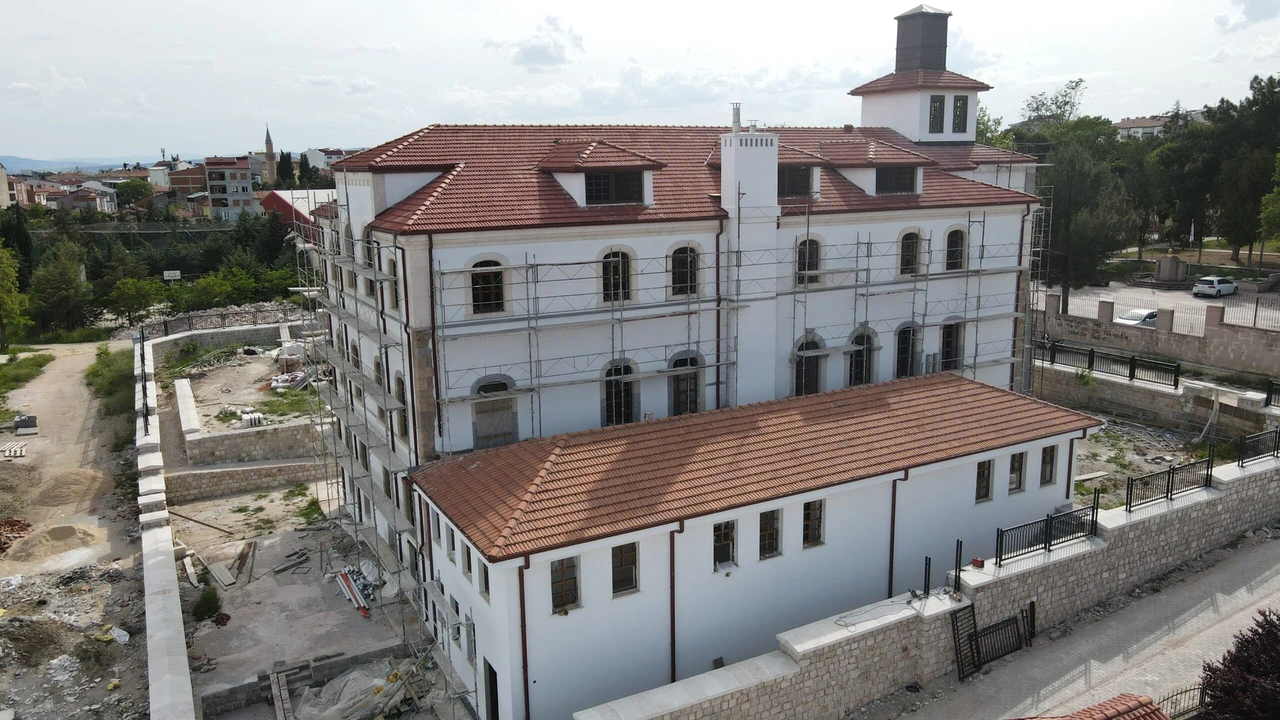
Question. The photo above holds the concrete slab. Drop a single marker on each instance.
(168, 675)
(152, 483)
(146, 436)
(154, 519)
(150, 461)
(188, 415)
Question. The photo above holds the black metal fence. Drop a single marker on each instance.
(1183, 704)
(1133, 367)
(146, 408)
(1273, 393)
(1165, 484)
(1259, 445)
(226, 319)
(1044, 534)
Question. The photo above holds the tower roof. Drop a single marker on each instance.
(923, 10)
(268, 135)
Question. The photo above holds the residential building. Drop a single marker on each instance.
(158, 174)
(105, 188)
(85, 198)
(1141, 127)
(1121, 707)
(487, 285)
(230, 184)
(188, 180)
(324, 158)
(8, 192)
(590, 566)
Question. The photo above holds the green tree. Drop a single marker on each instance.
(1245, 684)
(1244, 179)
(17, 237)
(989, 130)
(306, 173)
(133, 299)
(131, 191)
(60, 296)
(13, 304)
(284, 171)
(1269, 215)
(1058, 107)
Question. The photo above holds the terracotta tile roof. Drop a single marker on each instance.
(582, 155)
(920, 80)
(503, 186)
(552, 492)
(1145, 122)
(870, 153)
(1120, 707)
(969, 157)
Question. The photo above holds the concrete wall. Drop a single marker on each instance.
(189, 485)
(829, 668)
(292, 440)
(247, 334)
(1234, 347)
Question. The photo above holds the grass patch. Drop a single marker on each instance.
(15, 349)
(1253, 382)
(79, 335)
(262, 526)
(1121, 461)
(191, 351)
(227, 416)
(261, 496)
(288, 402)
(110, 377)
(1222, 452)
(297, 492)
(207, 605)
(240, 509)
(124, 440)
(311, 513)
(14, 375)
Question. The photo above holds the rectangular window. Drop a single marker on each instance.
(615, 187)
(451, 545)
(895, 180)
(466, 559)
(471, 640)
(1048, 464)
(984, 481)
(770, 527)
(1017, 472)
(960, 114)
(952, 346)
(484, 579)
(723, 544)
(813, 523)
(456, 630)
(386, 483)
(937, 107)
(625, 577)
(564, 584)
(435, 527)
(794, 181)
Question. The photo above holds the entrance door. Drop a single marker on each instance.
(490, 692)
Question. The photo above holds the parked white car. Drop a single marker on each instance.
(1140, 316)
(1214, 286)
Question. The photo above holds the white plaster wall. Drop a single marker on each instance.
(356, 195)
(575, 184)
(398, 186)
(907, 111)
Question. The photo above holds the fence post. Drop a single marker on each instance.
(1048, 532)
(1168, 485)
(999, 546)
(959, 555)
(1053, 352)
(1128, 495)
(222, 318)
(1090, 358)
(1093, 515)
(1208, 469)
(1177, 374)
(1256, 301)
(1133, 367)
(1240, 459)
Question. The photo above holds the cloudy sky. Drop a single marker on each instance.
(106, 79)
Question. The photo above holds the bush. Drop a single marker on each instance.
(78, 335)
(1246, 682)
(17, 373)
(110, 377)
(311, 513)
(207, 605)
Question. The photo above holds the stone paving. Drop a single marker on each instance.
(1151, 647)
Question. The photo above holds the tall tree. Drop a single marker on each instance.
(1244, 179)
(1057, 107)
(17, 237)
(13, 304)
(306, 173)
(133, 298)
(1245, 684)
(989, 130)
(131, 191)
(284, 171)
(61, 298)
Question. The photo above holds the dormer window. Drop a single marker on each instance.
(960, 114)
(794, 181)
(896, 181)
(937, 108)
(608, 188)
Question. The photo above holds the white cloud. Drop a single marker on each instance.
(1265, 47)
(963, 56)
(320, 80)
(390, 47)
(140, 99)
(548, 49)
(1249, 12)
(361, 86)
(43, 86)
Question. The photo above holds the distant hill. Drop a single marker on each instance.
(20, 164)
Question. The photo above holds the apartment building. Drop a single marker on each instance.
(230, 184)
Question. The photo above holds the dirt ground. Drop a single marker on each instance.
(1122, 450)
(76, 572)
(241, 383)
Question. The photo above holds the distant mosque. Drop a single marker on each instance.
(268, 159)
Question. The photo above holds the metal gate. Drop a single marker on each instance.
(976, 647)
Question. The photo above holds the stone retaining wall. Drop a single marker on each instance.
(288, 441)
(266, 335)
(189, 485)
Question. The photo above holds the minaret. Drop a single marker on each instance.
(269, 166)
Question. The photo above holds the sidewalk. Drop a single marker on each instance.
(1151, 647)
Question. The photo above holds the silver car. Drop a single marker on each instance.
(1142, 317)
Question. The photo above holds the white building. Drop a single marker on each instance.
(582, 568)
(485, 285)
(8, 195)
(158, 174)
(324, 158)
(1141, 127)
(230, 184)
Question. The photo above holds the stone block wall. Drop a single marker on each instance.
(191, 485)
(288, 441)
(265, 335)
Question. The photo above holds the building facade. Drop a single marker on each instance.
(187, 181)
(230, 184)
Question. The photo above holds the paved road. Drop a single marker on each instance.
(1151, 647)
(1188, 315)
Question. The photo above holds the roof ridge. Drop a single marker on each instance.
(801, 150)
(628, 150)
(444, 181)
(411, 137)
(518, 514)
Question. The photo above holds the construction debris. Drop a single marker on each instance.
(364, 692)
(11, 531)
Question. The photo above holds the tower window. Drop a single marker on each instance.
(615, 187)
(937, 107)
(794, 181)
(960, 114)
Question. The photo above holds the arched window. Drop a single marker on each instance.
(379, 375)
(808, 369)
(955, 250)
(906, 363)
(486, 287)
(808, 262)
(862, 359)
(619, 395)
(952, 349)
(495, 420)
(393, 287)
(685, 388)
(684, 271)
(402, 415)
(616, 273)
(909, 260)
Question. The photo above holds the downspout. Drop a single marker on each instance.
(673, 598)
(412, 399)
(718, 405)
(893, 521)
(1017, 300)
(435, 365)
(524, 637)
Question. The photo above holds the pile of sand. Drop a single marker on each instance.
(72, 486)
(52, 541)
(16, 480)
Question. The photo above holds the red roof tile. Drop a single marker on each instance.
(870, 153)
(552, 492)
(1120, 707)
(582, 155)
(1144, 122)
(503, 186)
(920, 80)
